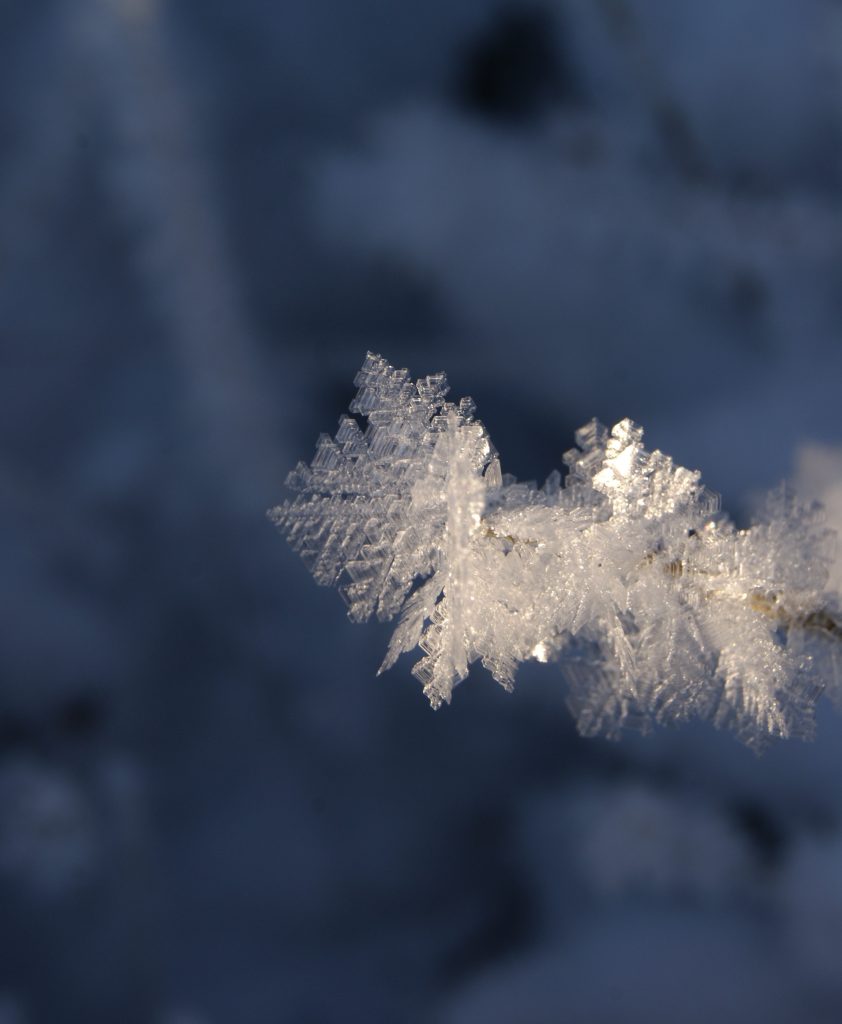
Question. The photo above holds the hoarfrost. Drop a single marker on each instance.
(662, 609)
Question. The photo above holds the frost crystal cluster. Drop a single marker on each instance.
(660, 609)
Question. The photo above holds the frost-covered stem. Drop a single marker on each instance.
(772, 605)
(821, 620)
(628, 572)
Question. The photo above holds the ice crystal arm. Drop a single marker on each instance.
(657, 607)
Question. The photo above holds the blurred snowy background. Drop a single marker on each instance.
(211, 811)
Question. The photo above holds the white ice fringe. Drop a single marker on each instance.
(662, 609)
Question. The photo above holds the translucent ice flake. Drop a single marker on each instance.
(658, 608)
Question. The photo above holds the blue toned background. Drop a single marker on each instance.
(211, 811)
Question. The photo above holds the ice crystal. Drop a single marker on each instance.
(658, 607)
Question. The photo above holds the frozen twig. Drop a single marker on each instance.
(660, 609)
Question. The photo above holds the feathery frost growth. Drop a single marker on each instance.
(660, 609)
